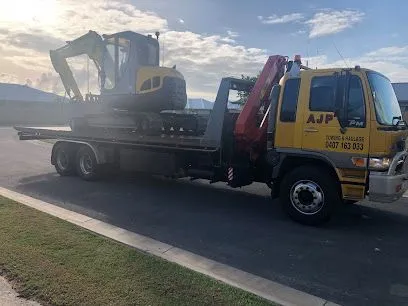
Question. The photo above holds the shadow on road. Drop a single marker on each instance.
(356, 259)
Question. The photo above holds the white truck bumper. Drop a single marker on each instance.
(389, 186)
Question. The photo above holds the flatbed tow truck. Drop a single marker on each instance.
(318, 138)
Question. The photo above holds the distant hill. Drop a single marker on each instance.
(205, 104)
(24, 93)
(199, 103)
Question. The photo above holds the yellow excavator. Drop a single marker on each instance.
(129, 72)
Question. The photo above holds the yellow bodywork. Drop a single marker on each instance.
(146, 74)
(324, 135)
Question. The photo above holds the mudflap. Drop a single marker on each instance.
(238, 176)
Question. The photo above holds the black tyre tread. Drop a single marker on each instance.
(96, 172)
(71, 168)
(326, 181)
(177, 95)
(179, 101)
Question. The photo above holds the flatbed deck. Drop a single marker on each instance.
(118, 136)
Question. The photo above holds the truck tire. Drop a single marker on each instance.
(86, 164)
(63, 156)
(309, 195)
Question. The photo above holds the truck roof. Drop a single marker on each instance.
(338, 69)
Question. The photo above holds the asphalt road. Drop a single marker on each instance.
(360, 258)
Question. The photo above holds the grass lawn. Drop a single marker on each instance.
(57, 263)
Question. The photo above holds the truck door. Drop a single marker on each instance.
(344, 144)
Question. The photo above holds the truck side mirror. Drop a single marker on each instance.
(339, 114)
(339, 109)
(273, 107)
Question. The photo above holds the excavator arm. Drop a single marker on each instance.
(90, 44)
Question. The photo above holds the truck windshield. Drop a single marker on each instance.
(386, 104)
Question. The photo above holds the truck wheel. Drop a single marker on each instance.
(309, 195)
(63, 160)
(86, 165)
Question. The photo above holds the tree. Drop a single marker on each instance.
(243, 95)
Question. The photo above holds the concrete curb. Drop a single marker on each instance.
(267, 289)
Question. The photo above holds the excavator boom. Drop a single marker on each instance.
(90, 44)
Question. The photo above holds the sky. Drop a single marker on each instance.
(207, 39)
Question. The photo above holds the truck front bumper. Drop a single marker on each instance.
(389, 186)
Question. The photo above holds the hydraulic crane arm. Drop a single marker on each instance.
(90, 44)
(249, 134)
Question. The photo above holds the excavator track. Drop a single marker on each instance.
(145, 123)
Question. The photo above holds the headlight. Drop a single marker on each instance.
(379, 163)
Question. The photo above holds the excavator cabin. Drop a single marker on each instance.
(129, 72)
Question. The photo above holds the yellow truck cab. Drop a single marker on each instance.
(335, 135)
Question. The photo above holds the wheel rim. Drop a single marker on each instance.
(86, 164)
(62, 160)
(307, 197)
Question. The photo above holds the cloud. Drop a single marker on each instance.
(70, 18)
(318, 61)
(35, 41)
(330, 21)
(25, 42)
(8, 78)
(181, 21)
(379, 60)
(299, 32)
(275, 19)
(47, 81)
(232, 33)
(230, 38)
(203, 59)
(389, 51)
